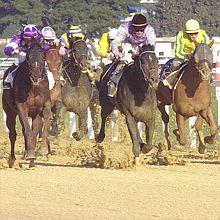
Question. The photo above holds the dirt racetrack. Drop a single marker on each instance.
(86, 181)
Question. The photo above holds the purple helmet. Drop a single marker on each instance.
(30, 31)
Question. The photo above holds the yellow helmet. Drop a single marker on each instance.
(76, 31)
(192, 26)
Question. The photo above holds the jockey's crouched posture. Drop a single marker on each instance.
(20, 44)
(130, 36)
(184, 47)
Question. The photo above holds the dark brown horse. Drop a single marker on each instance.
(192, 97)
(31, 98)
(76, 93)
(136, 99)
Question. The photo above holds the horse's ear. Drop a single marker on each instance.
(211, 43)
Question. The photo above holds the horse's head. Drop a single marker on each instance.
(79, 54)
(35, 59)
(147, 63)
(54, 61)
(203, 59)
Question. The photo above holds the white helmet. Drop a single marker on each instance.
(192, 26)
(112, 33)
(48, 33)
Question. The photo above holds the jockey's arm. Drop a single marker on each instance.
(12, 47)
(179, 45)
(117, 42)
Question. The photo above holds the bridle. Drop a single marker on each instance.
(75, 60)
(146, 74)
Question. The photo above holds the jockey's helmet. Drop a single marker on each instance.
(139, 21)
(30, 31)
(192, 26)
(76, 31)
(112, 33)
(48, 33)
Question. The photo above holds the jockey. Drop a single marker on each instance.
(19, 44)
(185, 46)
(70, 35)
(104, 46)
(50, 39)
(130, 36)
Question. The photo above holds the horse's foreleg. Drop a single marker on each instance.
(94, 109)
(82, 125)
(60, 113)
(106, 110)
(208, 116)
(180, 120)
(27, 131)
(54, 127)
(46, 125)
(149, 131)
(133, 131)
(36, 127)
(10, 123)
(165, 119)
(198, 126)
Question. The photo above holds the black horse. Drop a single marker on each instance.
(30, 97)
(76, 93)
(136, 98)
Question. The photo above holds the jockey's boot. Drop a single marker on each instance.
(114, 80)
(112, 89)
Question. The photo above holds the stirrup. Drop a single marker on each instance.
(6, 85)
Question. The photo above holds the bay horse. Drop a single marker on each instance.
(191, 97)
(136, 99)
(30, 98)
(76, 93)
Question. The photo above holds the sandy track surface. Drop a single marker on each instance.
(58, 191)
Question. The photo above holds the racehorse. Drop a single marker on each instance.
(76, 93)
(54, 62)
(191, 97)
(136, 99)
(31, 98)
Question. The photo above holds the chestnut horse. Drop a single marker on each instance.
(136, 99)
(31, 98)
(191, 97)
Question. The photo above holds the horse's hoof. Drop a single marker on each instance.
(11, 162)
(201, 148)
(30, 156)
(176, 133)
(137, 162)
(99, 138)
(209, 140)
(53, 133)
(76, 136)
(145, 148)
(32, 163)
